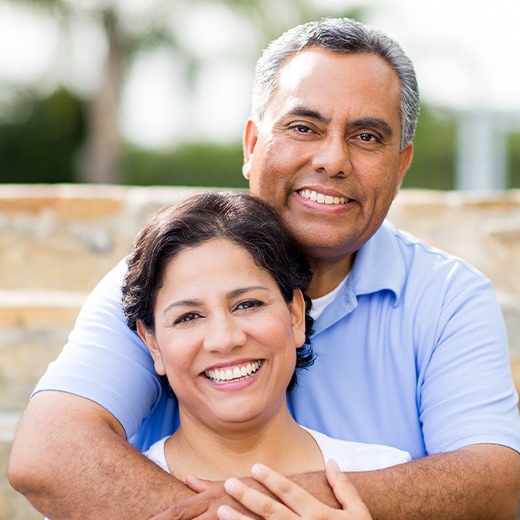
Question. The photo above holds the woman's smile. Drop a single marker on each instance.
(233, 373)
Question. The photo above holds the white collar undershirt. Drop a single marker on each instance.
(319, 304)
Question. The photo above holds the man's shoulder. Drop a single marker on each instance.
(416, 253)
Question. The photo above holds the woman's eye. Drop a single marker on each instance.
(186, 318)
(248, 304)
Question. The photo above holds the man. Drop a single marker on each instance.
(410, 343)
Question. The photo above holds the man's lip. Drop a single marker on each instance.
(323, 195)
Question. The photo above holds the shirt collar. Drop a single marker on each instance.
(379, 264)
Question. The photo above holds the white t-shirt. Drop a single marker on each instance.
(319, 304)
(350, 456)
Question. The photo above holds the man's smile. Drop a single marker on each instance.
(322, 198)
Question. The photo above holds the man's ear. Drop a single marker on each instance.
(249, 140)
(405, 159)
(151, 342)
(297, 310)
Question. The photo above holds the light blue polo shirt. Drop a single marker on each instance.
(412, 353)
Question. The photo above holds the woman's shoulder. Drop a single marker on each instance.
(358, 456)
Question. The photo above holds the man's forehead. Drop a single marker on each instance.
(356, 77)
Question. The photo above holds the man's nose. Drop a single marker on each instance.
(332, 156)
(224, 334)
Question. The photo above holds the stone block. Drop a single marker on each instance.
(34, 326)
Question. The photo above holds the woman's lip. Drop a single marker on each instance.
(234, 372)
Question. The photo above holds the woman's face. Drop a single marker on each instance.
(224, 336)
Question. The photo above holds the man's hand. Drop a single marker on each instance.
(204, 506)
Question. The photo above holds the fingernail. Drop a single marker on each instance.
(257, 469)
(230, 484)
(334, 464)
(224, 513)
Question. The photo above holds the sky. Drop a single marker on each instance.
(465, 54)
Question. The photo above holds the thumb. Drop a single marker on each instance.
(198, 484)
(344, 491)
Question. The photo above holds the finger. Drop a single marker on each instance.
(292, 495)
(197, 484)
(228, 513)
(344, 491)
(257, 502)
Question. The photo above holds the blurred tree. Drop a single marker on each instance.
(433, 164)
(124, 36)
(129, 29)
(40, 143)
(514, 160)
(190, 164)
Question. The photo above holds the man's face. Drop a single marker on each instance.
(326, 155)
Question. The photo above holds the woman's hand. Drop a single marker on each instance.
(295, 502)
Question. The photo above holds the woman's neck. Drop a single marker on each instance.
(216, 454)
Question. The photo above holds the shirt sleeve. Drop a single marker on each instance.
(104, 360)
(465, 390)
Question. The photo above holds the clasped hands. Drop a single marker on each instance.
(243, 500)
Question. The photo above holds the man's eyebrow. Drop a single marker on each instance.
(373, 122)
(307, 112)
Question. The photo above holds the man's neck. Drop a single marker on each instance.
(327, 275)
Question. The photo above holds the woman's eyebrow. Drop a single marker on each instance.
(230, 294)
(243, 290)
(182, 303)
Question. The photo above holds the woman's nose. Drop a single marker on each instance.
(224, 334)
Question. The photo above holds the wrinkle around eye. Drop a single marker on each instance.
(248, 305)
(187, 318)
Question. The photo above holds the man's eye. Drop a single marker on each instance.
(302, 129)
(367, 137)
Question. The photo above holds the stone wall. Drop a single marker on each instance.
(56, 242)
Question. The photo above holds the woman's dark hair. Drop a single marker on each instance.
(235, 216)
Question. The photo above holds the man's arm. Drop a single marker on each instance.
(474, 483)
(71, 460)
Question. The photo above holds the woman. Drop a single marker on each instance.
(216, 289)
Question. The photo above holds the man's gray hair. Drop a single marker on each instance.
(345, 36)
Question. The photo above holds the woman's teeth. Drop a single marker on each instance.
(219, 375)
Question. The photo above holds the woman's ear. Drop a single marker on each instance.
(151, 342)
(297, 310)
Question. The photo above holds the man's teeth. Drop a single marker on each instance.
(321, 198)
(228, 374)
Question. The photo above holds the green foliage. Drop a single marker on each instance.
(514, 160)
(194, 164)
(42, 139)
(43, 145)
(433, 165)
